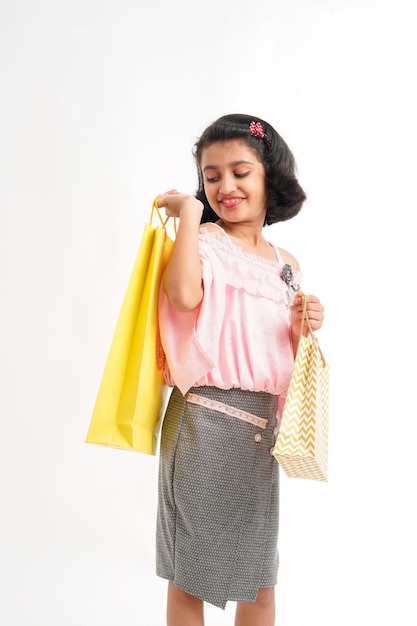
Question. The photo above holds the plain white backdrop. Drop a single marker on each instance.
(101, 102)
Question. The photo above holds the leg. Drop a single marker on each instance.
(258, 613)
(184, 609)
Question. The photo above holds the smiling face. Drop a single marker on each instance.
(234, 181)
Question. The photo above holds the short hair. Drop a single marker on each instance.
(284, 195)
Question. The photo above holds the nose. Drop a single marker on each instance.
(227, 184)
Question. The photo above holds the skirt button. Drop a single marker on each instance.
(258, 437)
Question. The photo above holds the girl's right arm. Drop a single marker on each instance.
(182, 278)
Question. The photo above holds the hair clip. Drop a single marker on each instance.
(257, 130)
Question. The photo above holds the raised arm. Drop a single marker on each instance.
(182, 277)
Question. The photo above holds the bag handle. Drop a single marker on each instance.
(305, 318)
(157, 210)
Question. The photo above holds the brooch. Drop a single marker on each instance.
(287, 275)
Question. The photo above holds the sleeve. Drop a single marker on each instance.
(190, 338)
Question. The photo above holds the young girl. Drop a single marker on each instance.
(230, 316)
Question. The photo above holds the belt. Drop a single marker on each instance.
(228, 410)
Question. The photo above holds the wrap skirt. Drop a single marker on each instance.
(218, 494)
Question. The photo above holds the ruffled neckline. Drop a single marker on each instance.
(223, 237)
(253, 273)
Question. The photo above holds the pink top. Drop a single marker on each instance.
(239, 335)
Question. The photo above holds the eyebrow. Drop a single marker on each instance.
(234, 163)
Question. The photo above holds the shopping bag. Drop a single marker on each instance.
(301, 447)
(131, 396)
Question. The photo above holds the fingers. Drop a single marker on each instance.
(312, 302)
(167, 201)
(161, 198)
(176, 203)
(297, 302)
(314, 309)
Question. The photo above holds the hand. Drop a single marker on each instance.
(175, 203)
(315, 314)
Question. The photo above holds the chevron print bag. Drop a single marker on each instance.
(302, 442)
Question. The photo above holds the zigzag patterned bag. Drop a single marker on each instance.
(302, 443)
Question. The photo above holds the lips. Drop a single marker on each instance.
(230, 202)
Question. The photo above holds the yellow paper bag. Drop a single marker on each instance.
(130, 399)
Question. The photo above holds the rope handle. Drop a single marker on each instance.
(305, 318)
(157, 210)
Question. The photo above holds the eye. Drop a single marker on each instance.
(212, 179)
(241, 174)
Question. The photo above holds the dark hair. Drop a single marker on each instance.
(284, 196)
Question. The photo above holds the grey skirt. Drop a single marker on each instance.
(217, 520)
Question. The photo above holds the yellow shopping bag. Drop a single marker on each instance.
(130, 399)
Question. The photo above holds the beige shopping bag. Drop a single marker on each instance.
(301, 447)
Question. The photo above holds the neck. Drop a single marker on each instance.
(251, 233)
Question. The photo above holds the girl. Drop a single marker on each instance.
(230, 316)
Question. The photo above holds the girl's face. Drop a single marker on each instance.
(234, 181)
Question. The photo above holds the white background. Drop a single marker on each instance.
(101, 102)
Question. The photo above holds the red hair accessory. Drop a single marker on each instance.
(257, 130)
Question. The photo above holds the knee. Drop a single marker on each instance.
(266, 596)
(178, 595)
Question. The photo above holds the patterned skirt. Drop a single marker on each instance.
(217, 521)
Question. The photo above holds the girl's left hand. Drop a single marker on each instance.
(315, 313)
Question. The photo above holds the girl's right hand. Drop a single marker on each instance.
(175, 203)
(182, 277)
